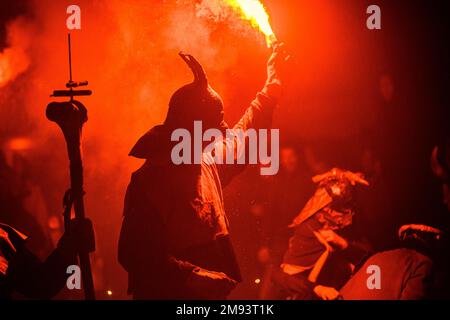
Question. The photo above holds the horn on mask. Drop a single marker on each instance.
(197, 69)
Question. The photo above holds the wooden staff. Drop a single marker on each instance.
(71, 116)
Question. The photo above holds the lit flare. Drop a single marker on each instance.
(254, 11)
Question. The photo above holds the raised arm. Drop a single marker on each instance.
(257, 116)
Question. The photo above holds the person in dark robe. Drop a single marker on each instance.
(22, 272)
(405, 273)
(323, 251)
(174, 242)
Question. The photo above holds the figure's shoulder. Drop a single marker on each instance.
(402, 256)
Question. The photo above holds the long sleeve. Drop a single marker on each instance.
(36, 279)
(257, 116)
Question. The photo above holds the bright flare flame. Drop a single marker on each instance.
(254, 11)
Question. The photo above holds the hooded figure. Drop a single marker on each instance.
(174, 241)
(23, 272)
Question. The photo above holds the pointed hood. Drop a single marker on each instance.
(196, 101)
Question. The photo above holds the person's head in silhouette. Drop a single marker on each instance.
(196, 101)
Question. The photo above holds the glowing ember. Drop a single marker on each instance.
(254, 11)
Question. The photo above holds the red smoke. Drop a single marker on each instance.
(127, 50)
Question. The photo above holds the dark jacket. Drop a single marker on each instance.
(405, 274)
